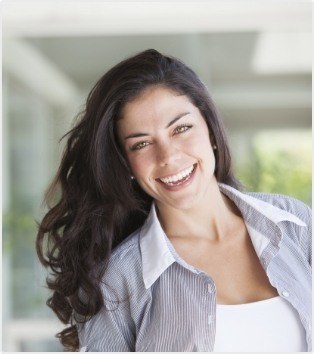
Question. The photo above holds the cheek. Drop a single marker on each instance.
(139, 165)
(199, 143)
(200, 147)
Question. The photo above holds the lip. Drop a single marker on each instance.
(181, 185)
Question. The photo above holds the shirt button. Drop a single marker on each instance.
(285, 293)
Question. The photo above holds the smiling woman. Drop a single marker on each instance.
(152, 246)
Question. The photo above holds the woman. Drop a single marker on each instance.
(151, 244)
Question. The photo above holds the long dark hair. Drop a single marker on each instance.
(93, 203)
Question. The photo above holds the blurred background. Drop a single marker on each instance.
(254, 56)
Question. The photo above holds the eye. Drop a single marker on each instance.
(140, 145)
(182, 128)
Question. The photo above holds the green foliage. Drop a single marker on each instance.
(19, 234)
(279, 167)
(19, 230)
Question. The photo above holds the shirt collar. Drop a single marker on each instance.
(157, 251)
(270, 211)
(156, 254)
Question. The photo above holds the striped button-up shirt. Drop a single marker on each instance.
(154, 301)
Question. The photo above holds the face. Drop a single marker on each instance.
(166, 142)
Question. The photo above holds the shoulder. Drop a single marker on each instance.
(127, 251)
(126, 257)
(123, 272)
(300, 234)
(287, 203)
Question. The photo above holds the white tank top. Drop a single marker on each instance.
(271, 325)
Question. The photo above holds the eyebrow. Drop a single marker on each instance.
(137, 135)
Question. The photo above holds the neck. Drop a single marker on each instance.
(211, 218)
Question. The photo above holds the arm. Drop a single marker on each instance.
(108, 331)
(112, 329)
(306, 237)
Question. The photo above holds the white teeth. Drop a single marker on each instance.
(179, 176)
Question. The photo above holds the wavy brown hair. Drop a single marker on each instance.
(93, 203)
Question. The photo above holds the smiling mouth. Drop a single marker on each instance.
(179, 178)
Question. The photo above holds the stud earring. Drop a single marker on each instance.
(214, 147)
(132, 177)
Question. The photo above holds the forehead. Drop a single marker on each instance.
(155, 103)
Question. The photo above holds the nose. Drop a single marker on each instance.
(166, 153)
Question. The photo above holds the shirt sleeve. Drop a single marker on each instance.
(108, 331)
(112, 329)
(306, 238)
